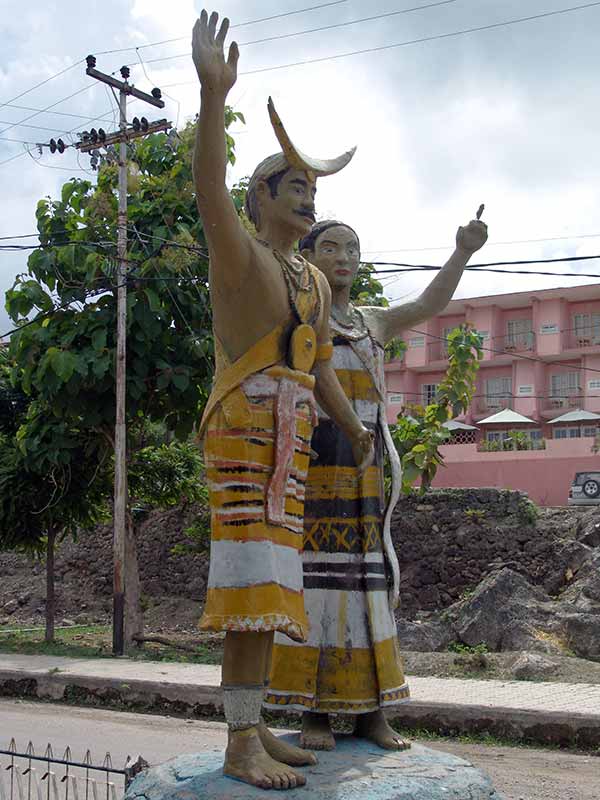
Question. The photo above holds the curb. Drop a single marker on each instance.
(557, 728)
(560, 728)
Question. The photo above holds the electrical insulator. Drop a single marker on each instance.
(125, 72)
(60, 146)
(156, 93)
(135, 124)
(91, 62)
(101, 135)
(52, 146)
(144, 124)
(93, 135)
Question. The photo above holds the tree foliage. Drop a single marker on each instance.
(57, 460)
(419, 435)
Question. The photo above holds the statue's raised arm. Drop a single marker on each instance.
(224, 232)
(391, 322)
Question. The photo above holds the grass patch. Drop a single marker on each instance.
(95, 641)
(487, 739)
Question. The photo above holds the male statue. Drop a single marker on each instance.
(272, 342)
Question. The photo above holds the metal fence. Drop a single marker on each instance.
(29, 776)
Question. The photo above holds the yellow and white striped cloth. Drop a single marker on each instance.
(255, 579)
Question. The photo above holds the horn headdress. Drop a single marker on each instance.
(297, 159)
(292, 157)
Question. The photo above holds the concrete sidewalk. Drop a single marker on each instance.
(556, 713)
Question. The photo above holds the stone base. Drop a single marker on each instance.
(355, 770)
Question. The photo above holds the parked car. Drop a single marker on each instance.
(585, 489)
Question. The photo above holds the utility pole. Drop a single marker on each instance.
(90, 142)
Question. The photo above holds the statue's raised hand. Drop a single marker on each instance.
(216, 74)
(472, 237)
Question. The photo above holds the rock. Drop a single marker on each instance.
(584, 593)
(590, 530)
(532, 665)
(567, 560)
(354, 769)
(424, 637)
(23, 598)
(507, 613)
(10, 607)
(67, 623)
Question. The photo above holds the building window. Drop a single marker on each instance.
(395, 399)
(428, 393)
(587, 327)
(496, 436)
(417, 341)
(564, 384)
(589, 430)
(497, 392)
(519, 334)
(570, 432)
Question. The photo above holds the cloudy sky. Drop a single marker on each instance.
(507, 116)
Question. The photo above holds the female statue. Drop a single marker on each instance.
(351, 662)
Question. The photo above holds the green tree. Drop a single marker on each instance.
(51, 485)
(65, 358)
(419, 435)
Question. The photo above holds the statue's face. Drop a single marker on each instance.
(293, 207)
(337, 255)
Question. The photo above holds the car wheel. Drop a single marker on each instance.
(591, 488)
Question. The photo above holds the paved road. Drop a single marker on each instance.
(519, 773)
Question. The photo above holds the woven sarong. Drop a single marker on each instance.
(255, 578)
(351, 661)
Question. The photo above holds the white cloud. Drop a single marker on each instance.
(507, 117)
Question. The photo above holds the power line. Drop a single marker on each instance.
(41, 83)
(43, 111)
(87, 121)
(508, 396)
(12, 158)
(237, 25)
(488, 244)
(405, 267)
(34, 127)
(410, 42)
(491, 267)
(317, 30)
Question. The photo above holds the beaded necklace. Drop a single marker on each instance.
(298, 278)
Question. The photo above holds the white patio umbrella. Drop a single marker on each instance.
(577, 415)
(455, 425)
(507, 417)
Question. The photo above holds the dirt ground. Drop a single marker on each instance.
(520, 773)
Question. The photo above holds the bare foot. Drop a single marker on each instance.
(316, 732)
(375, 727)
(247, 760)
(283, 751)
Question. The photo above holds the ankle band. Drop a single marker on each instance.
(242, 706)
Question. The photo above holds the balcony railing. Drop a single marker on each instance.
(583, 339)
(514, 343)
(492, 403)
(437, 351)
(563, 401)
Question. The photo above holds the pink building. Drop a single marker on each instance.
(542, 361)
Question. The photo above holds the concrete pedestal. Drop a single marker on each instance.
(355, 770)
